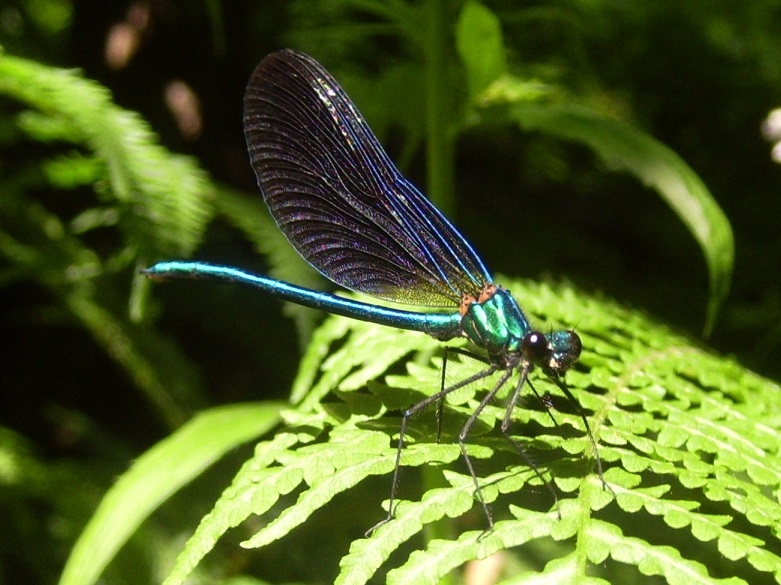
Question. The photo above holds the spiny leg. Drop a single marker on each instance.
(545, 404)
(524, 379)
(448, 352)
(465, 432)
(403, 429)
(582, 415)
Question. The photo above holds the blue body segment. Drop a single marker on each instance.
(442, 326)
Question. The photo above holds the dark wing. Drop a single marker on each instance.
(338, 197)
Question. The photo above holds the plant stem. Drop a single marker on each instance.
(440, 143)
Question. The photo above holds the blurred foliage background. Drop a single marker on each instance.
(701, 77)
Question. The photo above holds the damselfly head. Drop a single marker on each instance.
(554, 353)
(565, 351)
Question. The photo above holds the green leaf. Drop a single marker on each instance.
(480, 46)
(626, 148)
(156, 476)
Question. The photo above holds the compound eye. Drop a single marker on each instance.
(575, 346)
(535, 348)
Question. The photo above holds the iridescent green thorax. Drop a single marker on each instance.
(494, 321)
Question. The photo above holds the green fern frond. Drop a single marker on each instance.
(163, 196)
(156, 201)
(689, 440)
